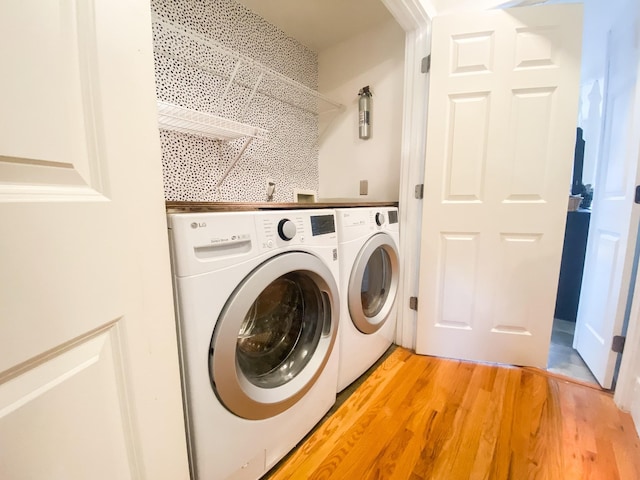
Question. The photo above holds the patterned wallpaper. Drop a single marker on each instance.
(193, 76)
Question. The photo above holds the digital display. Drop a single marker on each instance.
(321, 224)
(393, 216)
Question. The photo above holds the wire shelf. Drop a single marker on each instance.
(270, 82)
(185, 120)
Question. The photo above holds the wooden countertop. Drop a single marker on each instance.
(191, 207)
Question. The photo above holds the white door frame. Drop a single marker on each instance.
(414, 16)
(626, 377)
(623, 396)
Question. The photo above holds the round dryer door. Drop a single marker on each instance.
(373, 283)
(274, 335)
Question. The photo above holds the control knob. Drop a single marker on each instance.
(380, 219)
(286, 229)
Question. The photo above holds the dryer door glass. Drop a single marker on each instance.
(376, 282)
(275, 335)
(281, 330)
(373, 283)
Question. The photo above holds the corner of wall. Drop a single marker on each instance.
(374, 58)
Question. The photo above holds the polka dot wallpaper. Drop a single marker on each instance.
(192, 75)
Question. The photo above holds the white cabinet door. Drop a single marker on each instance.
(613, 228)
(503, 101)
(89, 380)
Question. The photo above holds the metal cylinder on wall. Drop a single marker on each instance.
(364, 113)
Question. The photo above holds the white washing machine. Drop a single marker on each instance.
(369, 273)
(258, 306)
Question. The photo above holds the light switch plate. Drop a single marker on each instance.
(364, 187)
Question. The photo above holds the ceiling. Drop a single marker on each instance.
(320, 24)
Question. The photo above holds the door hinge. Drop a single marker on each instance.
(413, 303)
(617, 344)
(425, 65)
(637, 199)
(419, 192)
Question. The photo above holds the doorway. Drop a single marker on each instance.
(598, 135)
(563, 358)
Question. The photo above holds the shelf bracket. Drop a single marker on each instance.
(230, 82)
(325, 123)
(233, 163)
(253, 94)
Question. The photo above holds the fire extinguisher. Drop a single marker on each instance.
(364, 110)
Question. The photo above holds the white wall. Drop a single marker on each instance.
(374, 58)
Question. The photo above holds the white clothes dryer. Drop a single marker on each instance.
(257, 316)
(369, 274)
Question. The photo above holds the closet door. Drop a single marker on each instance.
(503, 98)
(89, 382)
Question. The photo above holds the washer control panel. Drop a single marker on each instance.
(357, 222)
(274, 229)
(384, 219)
(200, 239)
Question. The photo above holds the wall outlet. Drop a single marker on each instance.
(364, 187)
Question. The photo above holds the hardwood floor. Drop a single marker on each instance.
(419, 417)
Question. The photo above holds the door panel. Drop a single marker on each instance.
(529, 137)
(70, 402)
(516, 311)
(458, 254)
(501, 125)
(89, 382)
(50, 95)
(612, 231)
(466, 161)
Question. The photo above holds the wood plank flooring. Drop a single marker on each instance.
(418, 417)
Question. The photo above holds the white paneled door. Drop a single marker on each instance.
(89, 381)
(613, 229)
(503, 100)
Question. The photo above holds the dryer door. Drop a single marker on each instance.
(274, 335)
(373, 283)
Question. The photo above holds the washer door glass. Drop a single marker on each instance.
(281, 330)
(373, 283)
(274, 336)
(376, 281)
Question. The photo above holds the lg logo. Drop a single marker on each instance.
(198, 224)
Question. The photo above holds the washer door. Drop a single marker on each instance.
(274, 335)
(373, 283)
